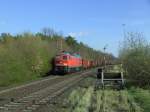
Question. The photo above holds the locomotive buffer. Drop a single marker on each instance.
(110, 75)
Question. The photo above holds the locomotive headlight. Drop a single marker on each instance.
(65, 64)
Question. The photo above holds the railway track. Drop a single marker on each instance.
(29, 97)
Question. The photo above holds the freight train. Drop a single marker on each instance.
(66, 62)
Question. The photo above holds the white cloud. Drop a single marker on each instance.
(78, 34)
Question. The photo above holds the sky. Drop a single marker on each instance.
(94, 22)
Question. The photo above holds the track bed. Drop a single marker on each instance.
(30, 97)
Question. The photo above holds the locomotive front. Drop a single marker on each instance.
(61, 63)
(67, 63)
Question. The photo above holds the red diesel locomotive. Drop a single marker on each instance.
(67, 63)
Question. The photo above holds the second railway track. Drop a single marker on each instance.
(30, 97)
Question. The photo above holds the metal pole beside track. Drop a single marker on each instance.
(102, 78)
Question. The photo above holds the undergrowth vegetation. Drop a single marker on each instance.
(141, 96)
(23, 59)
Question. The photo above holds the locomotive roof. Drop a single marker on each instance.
(76, 55)
(72, 54)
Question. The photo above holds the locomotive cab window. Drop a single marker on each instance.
(65, 57)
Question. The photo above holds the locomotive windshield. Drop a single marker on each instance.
(65, 57)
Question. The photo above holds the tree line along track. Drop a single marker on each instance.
(28, 98)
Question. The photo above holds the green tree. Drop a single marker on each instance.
(48, 32)
(71, 41)
(6, 37)
(135, 56)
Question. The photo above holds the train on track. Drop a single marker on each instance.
(66, 62)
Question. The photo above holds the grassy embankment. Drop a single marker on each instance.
(24, 59)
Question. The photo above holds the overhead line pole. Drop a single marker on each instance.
(105, 47)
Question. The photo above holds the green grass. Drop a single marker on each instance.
(88, 100)
(85, 102)
(142, 97)
(80, 100)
